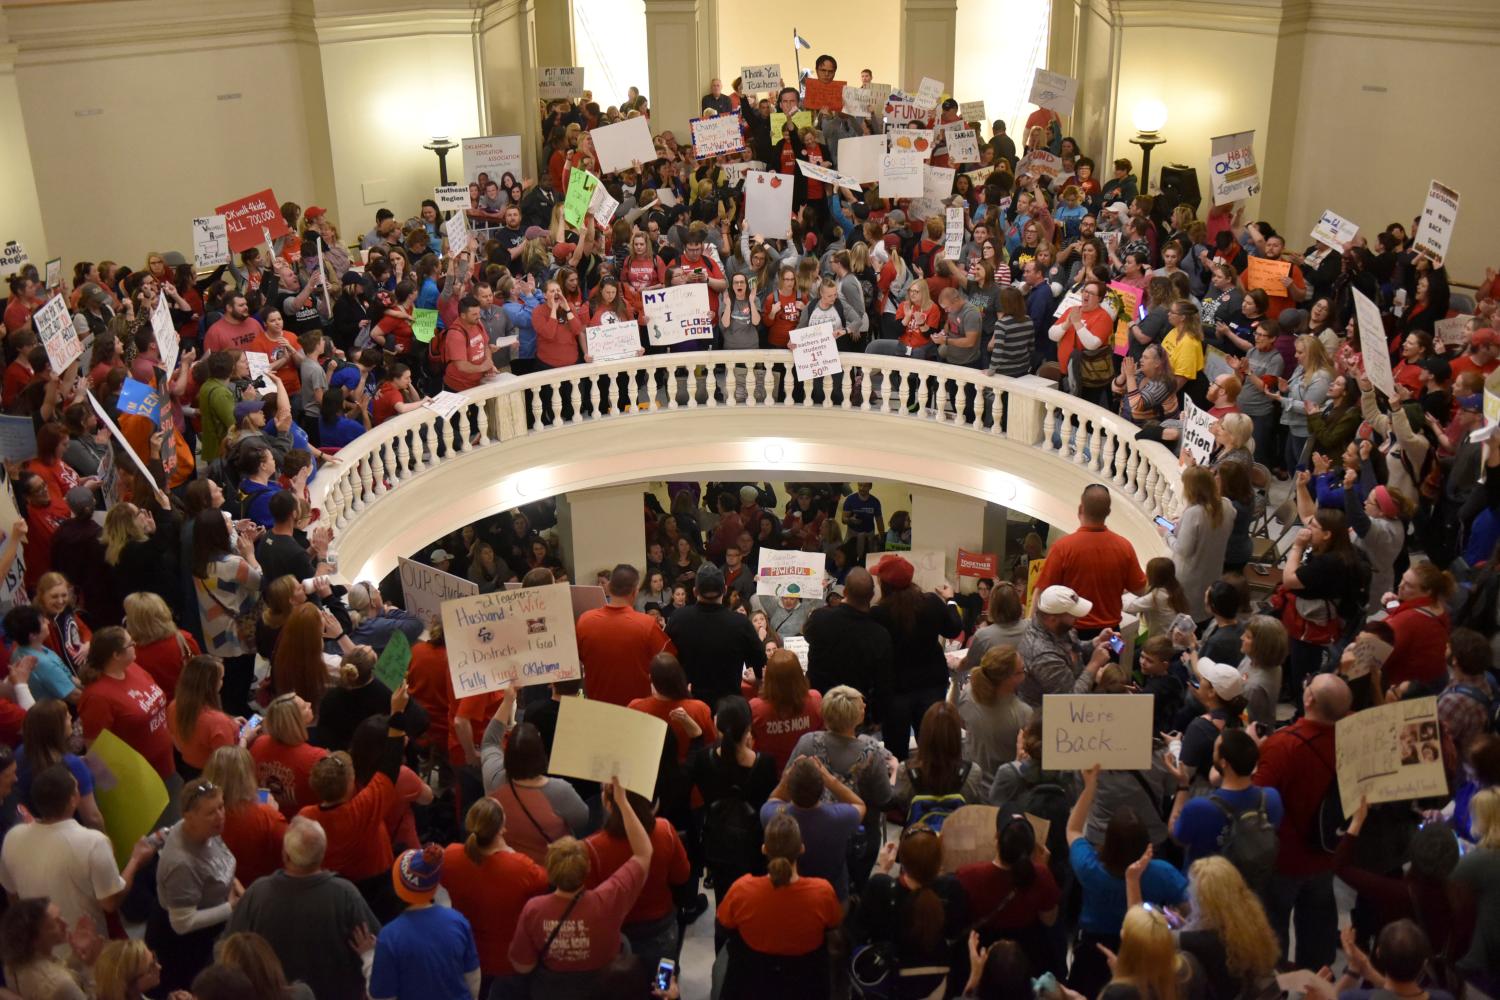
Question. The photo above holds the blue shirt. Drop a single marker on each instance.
(73, 762)
(1104, 895)
(826, 829)
(1202, 821)
(864, 509)
(424, 954)
(50, 678)
(519, 314)
(339, 433)
(345, 377)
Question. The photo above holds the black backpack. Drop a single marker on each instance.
(732, 832)
(1328, 823)
(1248, 840)
(1049, 801)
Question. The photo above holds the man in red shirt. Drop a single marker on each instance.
(236, 330)
(1483, 355)
(727, 530)
(19, 373)
(466, 349)
(1301, 764)
(24, 301)
(702, 269)
(616, 643)
(1096, 563)
(1295, 285)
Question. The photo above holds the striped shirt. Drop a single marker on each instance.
(232, 585)
(1010, 351)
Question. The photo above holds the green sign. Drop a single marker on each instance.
(424, 324)
(390, 669)
(581, 185)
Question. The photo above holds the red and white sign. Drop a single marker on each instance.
(244, 218)
(978, 564)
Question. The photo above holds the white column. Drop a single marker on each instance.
(20, 210)
(947, 522)
(555, 45)
(682, 50)
(509, 60)
(600, 529)
(928, 30)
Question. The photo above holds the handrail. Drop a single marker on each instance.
(1026, 410)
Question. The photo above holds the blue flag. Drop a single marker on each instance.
(140, 399)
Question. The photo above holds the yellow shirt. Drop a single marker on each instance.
(1185, 354)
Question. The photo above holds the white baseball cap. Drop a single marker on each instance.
(439, 555)
(1228, 683)
(1058, 600)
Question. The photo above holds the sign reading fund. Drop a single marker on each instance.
(510, 638)
(1111, 730)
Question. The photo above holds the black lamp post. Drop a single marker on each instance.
(440, 145)
(1150, 116)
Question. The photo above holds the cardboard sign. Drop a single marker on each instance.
(456, 232)
(762, 79)
(614, 341)
(963, 145)
(451, 197)
(394, 661)
(1390, 753)
(1053, 91)
(815, 352)
(510, 637)
(953, 232)
(1266, 275)
(768, 204)
(980, 565)
(1451, 331)
(1231, 167)
(12, 258)
(902, 175)
(969, 837)
(139, 399)
(1372, 346)
(971, 111)
(1197, 434)
(424, 589)
(581, 185)
(859, 157)
(129, 792)
(1435, 227)
(556, 82)
(716, 136)
(598, 741)
(491, 158)
(824, 95)
(247, 219)
(1333, 230)
(858, 102)
(54, 328)
(929, 566)
(800, 120)
(677, 313)
(603, 206)
(790, 573)
(621, 144)
(1111, 730)
(17, 444)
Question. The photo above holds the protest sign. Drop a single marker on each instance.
(953, 233)
(54, 328)
(800, 120)
(395, 659)
(1068, 301)
(510, 637)
(1111, 730)
(13, 585)
(1197, 434)
(980, 565)
(716, 136)
(937, 182)
(815, 352)
(1033, 574)
(491, 158)
(603, 206)
(911, 140)
(901, 109)
(139, 399)
(1231, 167)
(1040, 163)
(827, 175)
(581, 185)
(1053, 91)
(762, 79)
(797, 646)
(210, 241)
(614, 341)
(248, 219)
(17, 443)
(971, 111)
(901, 175)
(824, 95)
(1435, 227)
(451, 197)
(1266, 274)
(260, 364)
(880, 93)
(424, 324)
(583, 597)
(969, 837)
(1372, 346)
(677, 313)
(52, 274)
(1130, 300)
(768, 204)
(859, 157)
(978, 177)
(557, 82)
(1390, 753)
(1451, 331)
(790, 573)
(114, 431)
(621, 144)
(127, 789)
(598, 741)
(963, 145)
(456, 230)
(929, 566)
(1333, 230)
(929, 91)
(857, 102)
(12, 258)
(425, 588)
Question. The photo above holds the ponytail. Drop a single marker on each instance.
(484, 822)
(1017, 845)
(783, 847)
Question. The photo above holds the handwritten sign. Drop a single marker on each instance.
(790, 574)
(456, 231)
(858, 101)
(603, 206)
(963, 145)
(581, 185)
(969, 837)
(55, 329)
(928, 92)
(1197, 432)
(17, 442)
(1372, 345)
(259, 363)
(762, 79)
(248, 219)
(768, 204)
(824, 95)
(911, 140)
(929, 566)
(598, 741)
(1333, 230)
(1231, 167)
(716, 136)
(491, 158)
(981, 565)
(1435, 227)
(424, 589)
(621, 144)
(394, 661)
(815, 352)
(901, 109)
(168, 343)
(734, 173)
(424, 325)
(1111, 730)
(901, 175)
(1053, 91)
(676, 314)
(971, 111)
(52, 274)
(13, 586)
(1452, 331)
(13, 257)
(1390, 753)
(826, 174)
(557, 82)
(585, 597)
(800, 120)
(1040, 163)
(1265, 274)
(451, 197)
(937, 182)
(953, 233)
(510, 637)
(979, 176)
(614, 341)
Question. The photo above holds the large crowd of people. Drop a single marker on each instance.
(326, 836)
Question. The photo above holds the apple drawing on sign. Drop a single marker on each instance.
(776, 181)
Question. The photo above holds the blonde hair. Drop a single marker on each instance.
(923, 293)
(783, 848)
(120, 529)
(233, 770)
(807, 276)
(1148, 954)
(284, 722)
(357, 667)
(1315, 358)
(1223, 903)
(1484, 817)
(999, 665)
(567, 863)
(147, 618)
(843, 708)
(1240, 428)
(1268, 641)
(119, 965)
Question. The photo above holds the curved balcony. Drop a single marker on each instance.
(1015, 442)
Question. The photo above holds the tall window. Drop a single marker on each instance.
(1000, 44)
(609, 37)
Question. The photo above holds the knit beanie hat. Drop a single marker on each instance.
(416, 874)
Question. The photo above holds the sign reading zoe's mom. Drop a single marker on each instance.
(510, 638)
(1111, 730)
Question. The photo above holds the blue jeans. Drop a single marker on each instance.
(1307, 903)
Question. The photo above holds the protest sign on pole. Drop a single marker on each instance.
(902, 175)
(248, 219)
(1390, 753)
(953, 233)
(981, 565)
(1372, 346)
(597, 741)
(1197, 432)
(1111, 730)
(510, 637)
(210, 241)
(581, 185)
(768, 204)
(1435, 227)
(762, 79)
(1231, 167)
(815, 352)
(1333, 230)
(424, 589)
(451, 197)
(790, 573)
(614, 341)
(1053, 91)
(621, 144)
(677, 313)
(491, 158)
(54, 328)
(168, 343)
(716, 135)
(13, 257)
(557, 82)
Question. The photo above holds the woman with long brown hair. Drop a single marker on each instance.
(785, 708)
(939, 767)
(299, 664)
(45, 735)
(918, 914)
(1200, 540)
(195, 717)
(916, 621)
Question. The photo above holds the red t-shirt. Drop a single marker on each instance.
(164, 658)
(225, 336)
(135, 710)
(253, 832)
(669, 867)
(1463, 363)
(384, 406)
(398, 333)
(478, 709)
(276, 350)
(615, 646)
(923, 324)
(1100, 565)
(790, 920)
(17, 376)
(776, 734)
(986, 885)
(491, 894)
(590, 937)
(704, 265)
(358, 845)
(427, 680)
(461, 343)
(698, 711)
(285, 771)
(781, 314)
(211, 730)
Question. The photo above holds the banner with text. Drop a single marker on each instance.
(245, 218)
(424, 589)
(980, 565)
(492, 158)
(1390, 753)
(790, 573)
(510, 637)
(1111, 730)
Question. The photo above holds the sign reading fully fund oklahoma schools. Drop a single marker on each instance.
(510, 638)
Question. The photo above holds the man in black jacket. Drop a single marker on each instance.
(713, 642)
(846, 646)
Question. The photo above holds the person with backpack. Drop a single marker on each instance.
(1469, 706)
(826, 826)
(1238, 819)
(1021, 786)
(1300, 762)
(938, 780)
(906, 927)
(1015, 897)
(735, 781)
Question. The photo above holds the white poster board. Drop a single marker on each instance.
(790, 573)
(114, 432)
(510, 638)
(859, 157)
(621, 144)
(456, 230)
(716, 136)
(762, 79)
(1111, 730)
(1232, 172)
(858, 102)
(901, 175)
(928, 92)
(597, 741)
(603, 206)
(676, 314)
(953, 232)
(1451, 331)
(929, 566)
(13, 257)
(1197, 433)
(424, 589)
(1435, 227)
(13, 587)
(260, 364)
(1040, 163)
(827, 175)
(55, 329)
(937, 182)
(1372, 346)
(971, 111)
(815, 352)
(614, 341)
(168, 343)
(451, 197)
(1390, 753)
(493, 156)
(768, 204)
(963, 145)
(1053, 91)
(1333, 230)
(557, 82)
